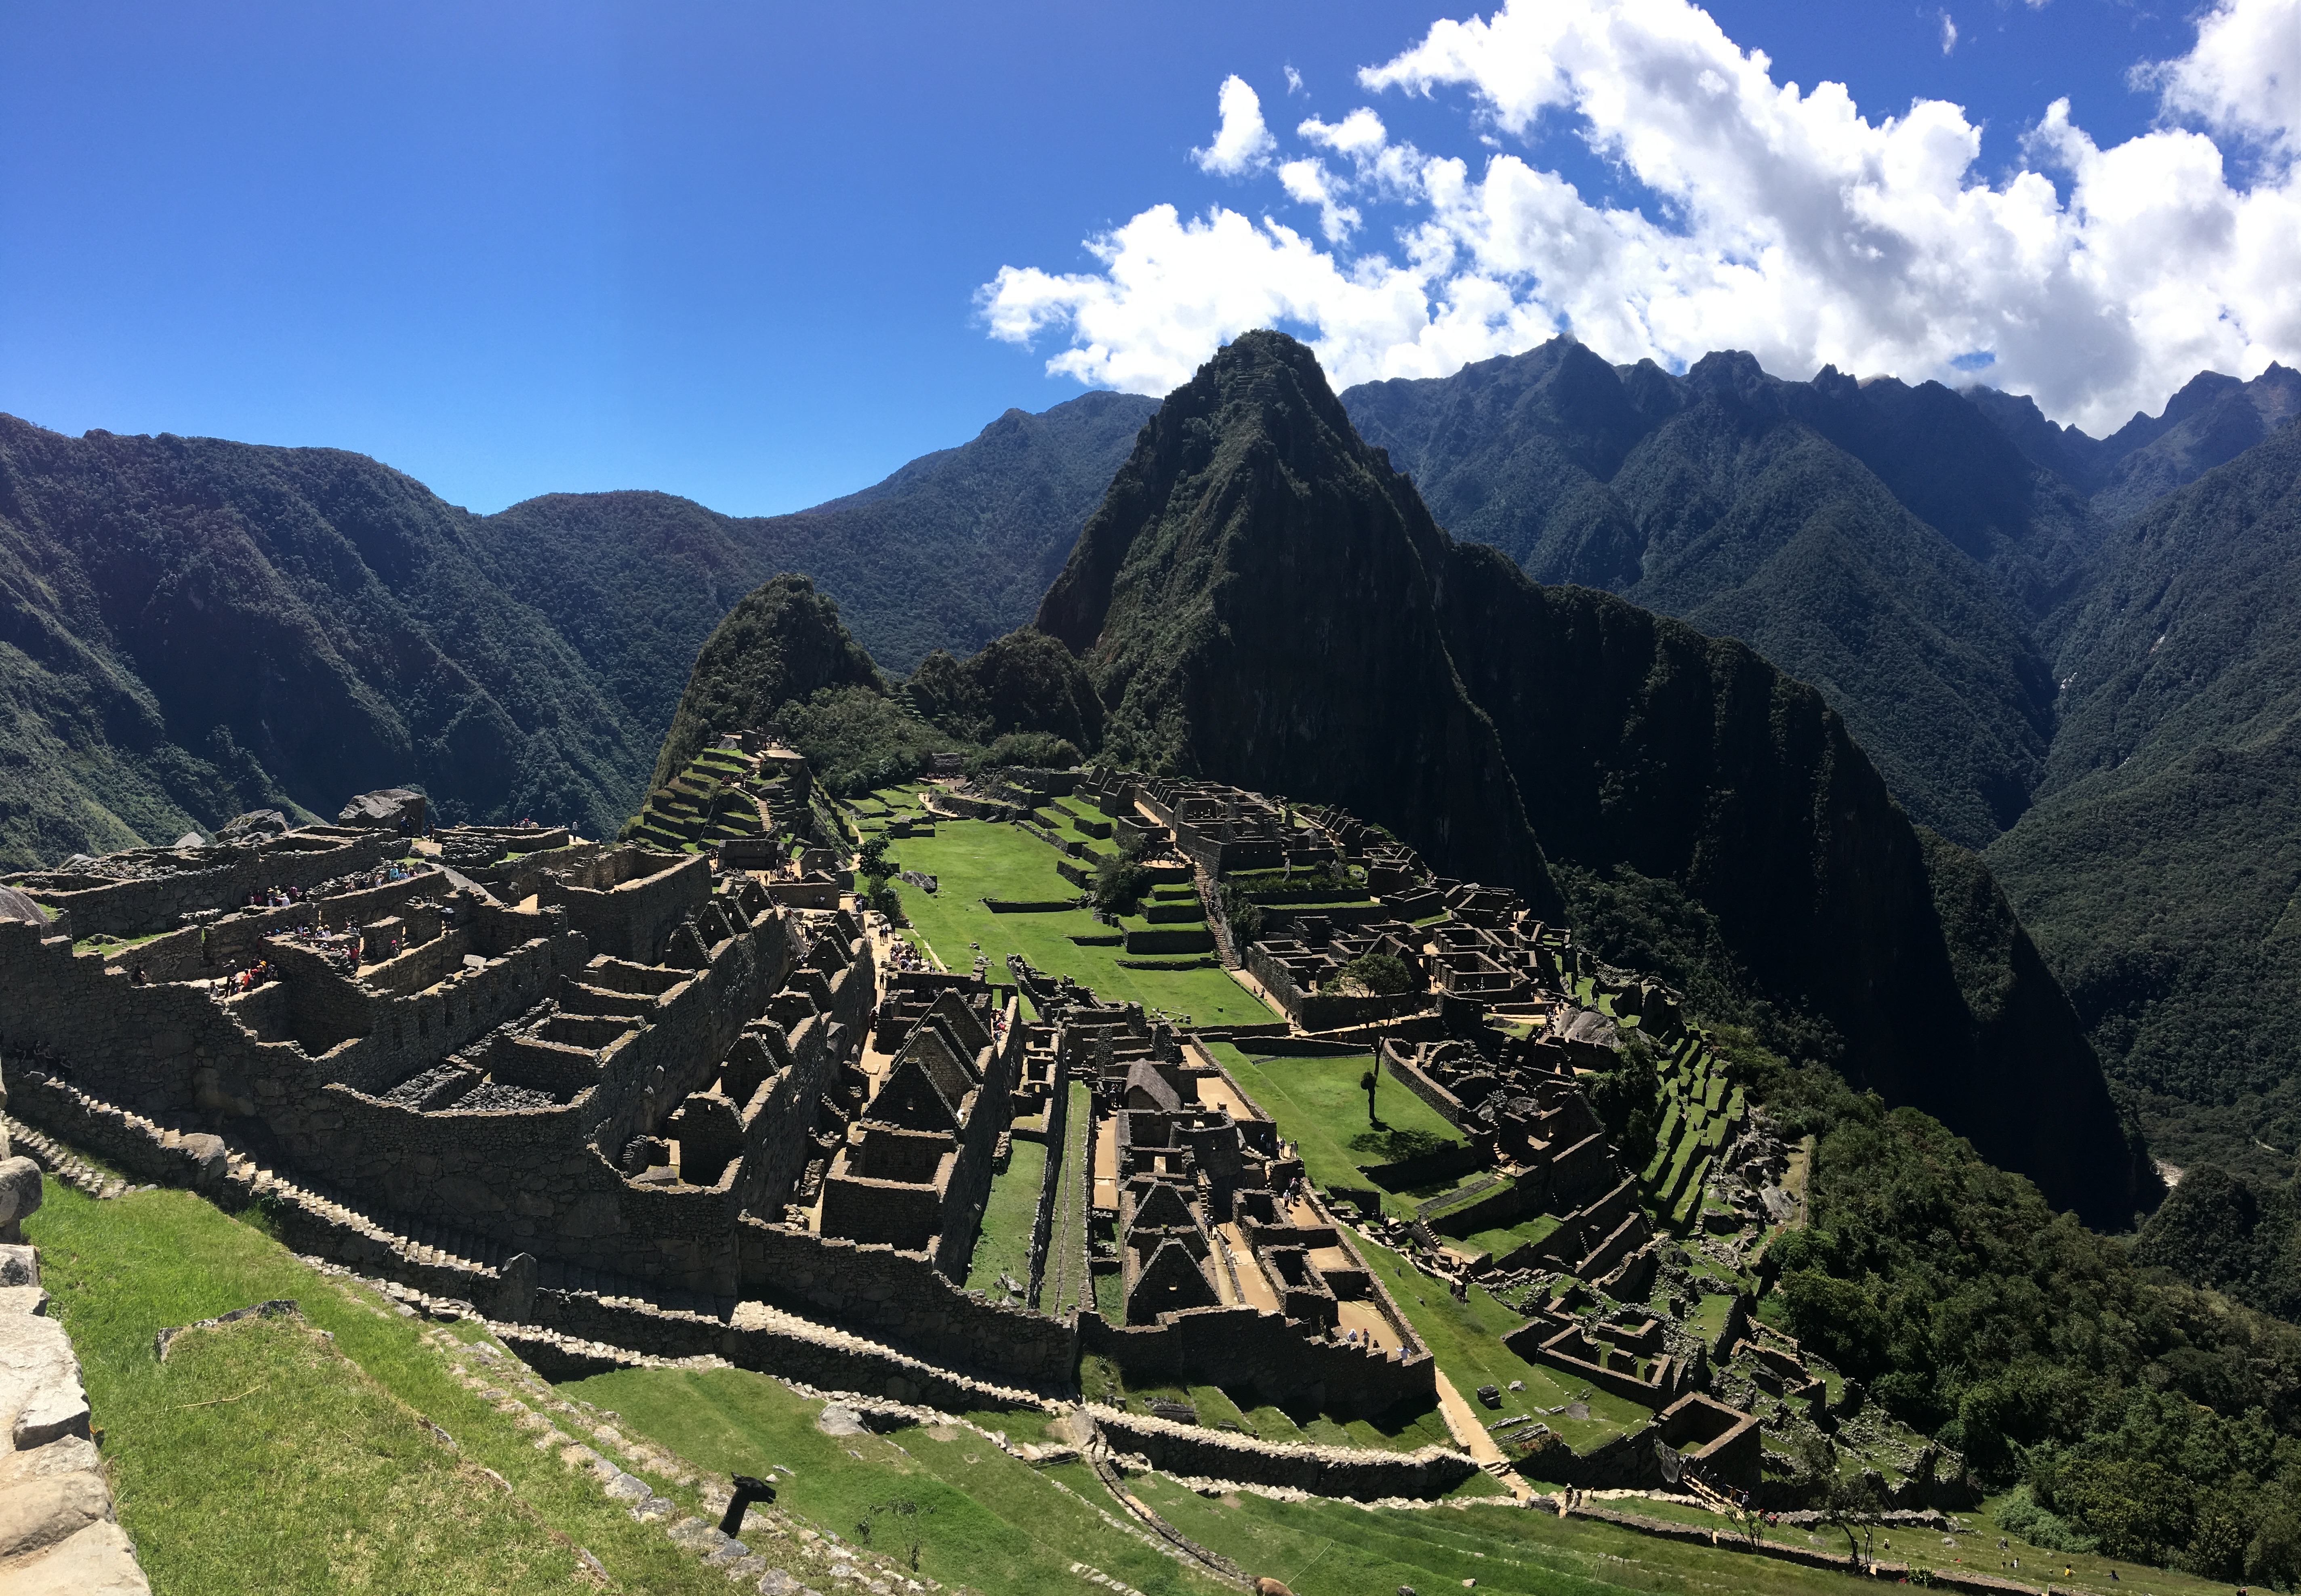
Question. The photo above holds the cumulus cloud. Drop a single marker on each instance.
(1948, 33)
(1782, 222)
(1243, 144)
(2244, 78)
(1294, 81)
(1309, 182)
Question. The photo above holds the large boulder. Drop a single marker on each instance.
(20, 1194)
(254, 827)
(387, 809)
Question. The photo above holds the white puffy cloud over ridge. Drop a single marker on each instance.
(1791, 226)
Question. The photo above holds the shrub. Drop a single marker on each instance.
(1244, 915)
(1036, 750)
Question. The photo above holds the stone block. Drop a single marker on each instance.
(98, 1561)
(19, 1266)
(41, 1513)
(73, 1454)
(208, 1158)
(40, 1395)
(20, 1189)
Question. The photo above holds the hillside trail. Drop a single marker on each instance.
(1463, 1419)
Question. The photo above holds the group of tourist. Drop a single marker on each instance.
(248, 977)
(359, 880)
(342, 947)
(902, 956)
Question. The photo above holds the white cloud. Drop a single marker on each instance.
(1294, 81)
(1242, 145)
(2244, 78)
(1309, 182)
(1948, 33)
(1789, 225)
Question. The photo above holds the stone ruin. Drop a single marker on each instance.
(670, 1101)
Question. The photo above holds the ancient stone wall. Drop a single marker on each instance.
(1325, 1011)
(226, 876)
(969, 1189)
(1361, 1475)
(903, 1299)
(632, 918)
(1250, 1347)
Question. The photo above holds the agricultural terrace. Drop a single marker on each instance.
(975, 859)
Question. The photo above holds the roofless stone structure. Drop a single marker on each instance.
(676, 1102)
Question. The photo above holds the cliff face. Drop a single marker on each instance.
(1255, 600)
(1261, 599)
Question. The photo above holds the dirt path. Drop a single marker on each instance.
(1463, 1419)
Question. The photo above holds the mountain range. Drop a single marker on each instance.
(1979, 592)
(1262, 599)
(2071, 655)
(190, 628)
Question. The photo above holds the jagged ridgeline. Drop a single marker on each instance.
(1262, 599)
(783, 657)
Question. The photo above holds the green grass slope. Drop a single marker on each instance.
(271, 1457)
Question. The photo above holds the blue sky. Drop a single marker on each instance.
(739, 252)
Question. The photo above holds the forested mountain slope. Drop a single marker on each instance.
(190, 627)
(2161, 864)
(1978, 591)
(1884, 543)
(1263, 599)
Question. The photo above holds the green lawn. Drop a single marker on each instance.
(1466, 1339)
(1058, 1291)
(975, 859)
(1004, 1242)
(984, 1519)
(1326, 1548)
(1507, 1239)
(267, 1457)
(1319, 1106)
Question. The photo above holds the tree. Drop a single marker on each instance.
(1851, 1505)
(1119, 884)
(1374, 973)
(872, 857)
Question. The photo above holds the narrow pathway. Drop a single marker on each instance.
(1463, 1419)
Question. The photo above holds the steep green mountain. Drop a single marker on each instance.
(784, 658)
(2160, 866)
(1263, 599)
(2221, 1230)
(1884, 543)
(949, 552)
(781, 642)
(1256, 600)
(190, 628)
